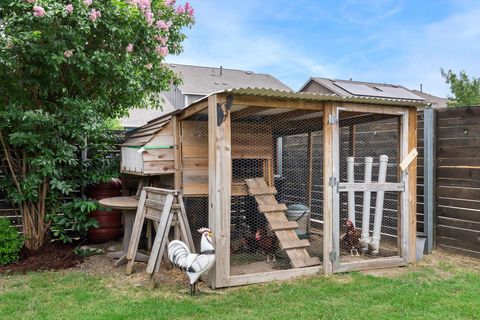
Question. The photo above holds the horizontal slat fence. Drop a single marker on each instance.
(458, 180)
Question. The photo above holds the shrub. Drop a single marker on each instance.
(10, 242)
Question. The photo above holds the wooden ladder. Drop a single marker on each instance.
(278, 223)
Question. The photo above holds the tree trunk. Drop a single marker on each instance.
(33, 217)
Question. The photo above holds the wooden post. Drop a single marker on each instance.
(412, 186)
(327, 189)
(177, 151)
(219, 187)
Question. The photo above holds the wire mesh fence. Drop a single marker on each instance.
(279, 153)
(369, 153)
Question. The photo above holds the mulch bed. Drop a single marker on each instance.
(52, 256)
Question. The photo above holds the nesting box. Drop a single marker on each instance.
(149, 150)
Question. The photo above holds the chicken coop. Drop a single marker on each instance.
(293, 184)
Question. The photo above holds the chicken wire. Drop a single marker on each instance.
(364, 136)
(275, 144)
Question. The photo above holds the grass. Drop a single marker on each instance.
(422, 294)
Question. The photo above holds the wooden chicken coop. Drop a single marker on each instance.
(247, 159)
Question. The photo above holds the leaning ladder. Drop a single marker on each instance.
(278, 223)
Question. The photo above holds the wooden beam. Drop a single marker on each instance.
(177, 154)
(412, 186)
(240, 280)
(372, 264)
(247, 112)
(372, 108)
(277, 103)
(327, 190)
(220, 188)
(190, 111)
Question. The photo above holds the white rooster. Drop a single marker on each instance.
(194, 264)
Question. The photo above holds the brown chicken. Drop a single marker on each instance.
(267, 243)
(350, 240)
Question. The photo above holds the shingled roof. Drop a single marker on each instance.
(199, 80)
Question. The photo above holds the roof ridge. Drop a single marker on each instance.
(210, 67)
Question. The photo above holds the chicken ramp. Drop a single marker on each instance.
(277, 221)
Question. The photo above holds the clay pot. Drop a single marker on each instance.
(109, 221)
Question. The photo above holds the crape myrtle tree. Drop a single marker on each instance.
(67, 68)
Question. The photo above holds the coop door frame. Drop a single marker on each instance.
(405, 238)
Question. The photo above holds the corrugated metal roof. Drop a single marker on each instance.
(198, 80)
(279, 94)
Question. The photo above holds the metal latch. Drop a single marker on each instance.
(333, 256)
(332, 119)
(333, 182)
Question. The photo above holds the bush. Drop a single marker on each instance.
(10, 242)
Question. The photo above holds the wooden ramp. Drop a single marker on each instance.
(278, 223)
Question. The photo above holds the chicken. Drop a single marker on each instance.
(350, 240)
(194, 264)
(266, 242)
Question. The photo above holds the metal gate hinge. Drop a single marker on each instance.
(332, 119)
(333, 256)
(332, 181)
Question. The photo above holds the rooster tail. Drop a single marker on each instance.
(177, 253)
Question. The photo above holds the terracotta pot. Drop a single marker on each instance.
(109, 222)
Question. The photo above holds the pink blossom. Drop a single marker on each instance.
(169, 2)
(149, 16)
(31, 1)
(129, 48)
(162, 40)
(149, 66)
(87, 2)
(180, 10)
(68, 53)
(163, 51)
(38, 11)
(189, 9)
(162, 25)
(69, 8)
(94, 15)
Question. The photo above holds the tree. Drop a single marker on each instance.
(67, 68)
(466, 91)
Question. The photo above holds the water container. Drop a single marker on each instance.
(301, 214)
(109, 221)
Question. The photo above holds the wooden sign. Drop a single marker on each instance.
(411, 156)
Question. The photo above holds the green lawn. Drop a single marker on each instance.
(427, 293)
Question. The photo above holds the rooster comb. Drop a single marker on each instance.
(202, 230)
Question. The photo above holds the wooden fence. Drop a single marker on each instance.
(458, 180)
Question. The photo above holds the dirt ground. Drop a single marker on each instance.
(51, 257)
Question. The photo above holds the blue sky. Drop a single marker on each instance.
(395, 41)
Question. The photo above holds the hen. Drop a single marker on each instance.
(266, 242)
(350, 240)
(194, 264)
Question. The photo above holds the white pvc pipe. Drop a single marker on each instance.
(364, 239)
(377, 225)
(351, 194)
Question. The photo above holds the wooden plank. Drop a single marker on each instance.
(280, 226)
(294, 244)
(159, 167)
(328, 191)
(458, 213)
(162, 233)
(458, 223)
(412, 187)
(276, 275)
(136, 232)
(379, 263)
(220, 189)
(177, 154)
(458, 192)
(260, 192)
(409, 159)
(272, 208)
